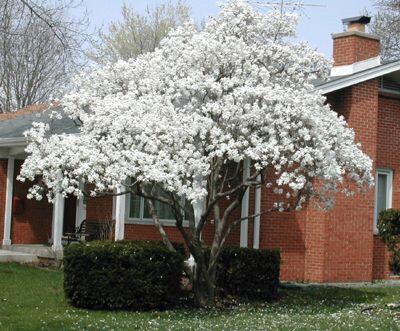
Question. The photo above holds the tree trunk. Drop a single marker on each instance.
(204, 285)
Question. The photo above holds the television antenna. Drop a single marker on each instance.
(282, 4)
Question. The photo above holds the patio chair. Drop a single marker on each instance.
(79, 234)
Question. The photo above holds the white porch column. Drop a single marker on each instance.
(257, 210)
(120, 205)
(8, 206)
(244, 225)
(58, 222)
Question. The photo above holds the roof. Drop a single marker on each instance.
(23, 111)
(13, 125)
(339, 82)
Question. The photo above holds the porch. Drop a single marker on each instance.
(39, 228)
(19, 257)
(30, 254)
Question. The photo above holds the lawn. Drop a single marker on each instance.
(32, 299)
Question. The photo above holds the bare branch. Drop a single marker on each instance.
(138, 34)
(45, 20)
(40, 49)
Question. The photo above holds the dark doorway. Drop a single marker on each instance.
(70, 214)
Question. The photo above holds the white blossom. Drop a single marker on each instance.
(240, 88)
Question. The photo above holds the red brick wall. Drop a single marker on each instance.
(99, 209)
(337, 245)
(349, 242)
(3, 185)
(149, 232)
(315, 244)
(389, 141)
(348, 252)
(381, 268)
(348, 49)
(33, 225)
(388, 157)
(284, 231)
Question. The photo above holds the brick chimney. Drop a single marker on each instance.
(354, 45)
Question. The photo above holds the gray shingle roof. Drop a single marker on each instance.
(15, 126)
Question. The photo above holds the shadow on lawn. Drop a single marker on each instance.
(326, 297)
(300, 299)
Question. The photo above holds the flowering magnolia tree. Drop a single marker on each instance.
(181, 122)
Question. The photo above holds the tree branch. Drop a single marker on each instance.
(46, 21)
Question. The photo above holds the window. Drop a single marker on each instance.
(138, 211)
(383, 193)
(389, 84)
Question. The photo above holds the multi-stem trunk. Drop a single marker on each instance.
(204, 285)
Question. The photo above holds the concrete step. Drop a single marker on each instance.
(37, 250)
(19, 257)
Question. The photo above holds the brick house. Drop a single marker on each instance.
(340, 245)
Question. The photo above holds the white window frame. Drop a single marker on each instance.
(146, 221)
(389, 189)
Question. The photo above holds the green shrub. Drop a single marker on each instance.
(389, 232)
(395, 263)
(134, 275)
(249, 273)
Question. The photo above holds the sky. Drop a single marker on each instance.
(317, 21)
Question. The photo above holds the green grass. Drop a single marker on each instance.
(33, 299)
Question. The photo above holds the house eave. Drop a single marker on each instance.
(358, 77)
(12, 142)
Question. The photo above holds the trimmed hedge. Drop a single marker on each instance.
(389, 232)
(249, 273)
(135, 275)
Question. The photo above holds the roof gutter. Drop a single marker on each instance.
(20, 141)
(11, 142)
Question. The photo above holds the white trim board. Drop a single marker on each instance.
(257, 211)
(389, 193)
(8, 204)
